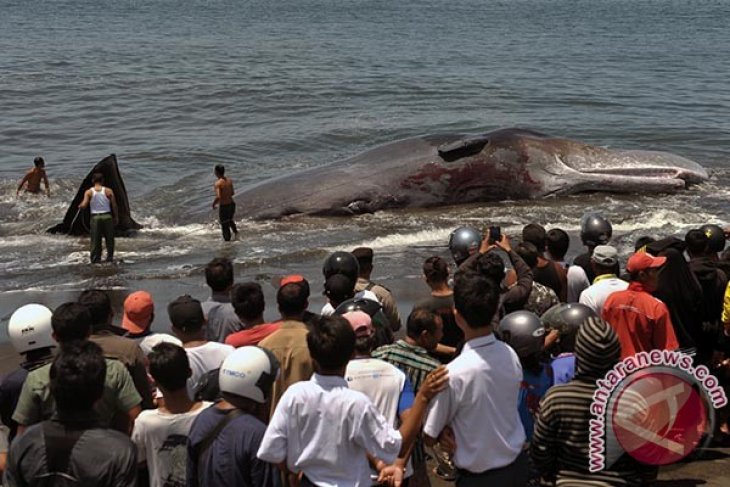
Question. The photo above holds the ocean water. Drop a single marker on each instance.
(266, 88)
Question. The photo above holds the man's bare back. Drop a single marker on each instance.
(32, 179)
(223, 191)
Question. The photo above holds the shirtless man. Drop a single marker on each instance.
(224, 196)
(34, 178)
(104, 217)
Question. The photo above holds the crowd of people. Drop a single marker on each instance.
(492, 377)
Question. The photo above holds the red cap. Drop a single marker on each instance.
(290, 279)
(361, 323)
(641, 261)
(138, 307)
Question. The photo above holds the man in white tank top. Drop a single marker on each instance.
(104, 217)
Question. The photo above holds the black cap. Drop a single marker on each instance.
(186, 314)
(364, 255)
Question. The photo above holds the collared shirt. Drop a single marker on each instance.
(222, 318)
(641, 321)
(36, 403)
(603, 286)
(413, 360)
(100, 457)
(252, 336)
(289, 346)
(128, 352)
(324, 429)
(480, 405)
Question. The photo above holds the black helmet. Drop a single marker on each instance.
(567, 317)
(463, 242)
(523, 331)
(341, 263)
(716, 237)
(368, 306)
(595, 230)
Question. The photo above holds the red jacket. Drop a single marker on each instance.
(641, 321)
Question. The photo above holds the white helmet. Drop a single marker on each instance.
(249, 372)
(30, 329)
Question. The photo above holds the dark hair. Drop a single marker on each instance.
(420, 320)
(99, 304)
(697, 242)
(339, 288)
(535, 234)
(643, 242)
(169, 366)
(476, 298)
(219, 274)
(364, 256)
(365, 345)
(38, 162)
(557, 243)
(491, 266)
(248, 301)
(528, 252)
(220, 170)
(77, 376)
(71, 321)
(436, 269)
(97, 177)
(292, 298)
(331, 342)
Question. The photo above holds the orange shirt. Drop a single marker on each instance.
(252, 336)
(641, 321)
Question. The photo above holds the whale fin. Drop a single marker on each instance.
(77, 222)
(462, 148)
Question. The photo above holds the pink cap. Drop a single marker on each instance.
(361, 323)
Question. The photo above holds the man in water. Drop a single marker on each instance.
(104, 217)
(34, 178)
(224, 196)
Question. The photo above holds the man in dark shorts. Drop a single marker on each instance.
(224, 197)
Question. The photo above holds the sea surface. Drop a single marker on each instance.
(269, 87)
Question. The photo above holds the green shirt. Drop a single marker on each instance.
(413, 360)
(36, 404)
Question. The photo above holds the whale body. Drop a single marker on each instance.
(77, 223)
(451, 169)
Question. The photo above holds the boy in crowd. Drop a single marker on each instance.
(104, 334)
(481, 403)
(224, 438)
(139, 313)
(557, 244)
(441, 301)
(30, 333)
(188, 324)
(161, 434)
(72, 447)
(364, 256)
(541, 297)
(323, 431)
(545, 271)
(217, 309)
(387, 387)
(119, 404)
(34, 177)
(604, 262)
(248, 303)
(289, 342)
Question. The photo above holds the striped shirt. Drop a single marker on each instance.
(560, 444)
(413, 360)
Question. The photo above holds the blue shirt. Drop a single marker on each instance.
(231, 458)
(563, 368)
(532, 389)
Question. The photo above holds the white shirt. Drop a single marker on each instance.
(205, 358)
(99, 203)
(324, 429)
(577, 282)
(480, 405)
(597, 293)
(383, 383)
(161, 440)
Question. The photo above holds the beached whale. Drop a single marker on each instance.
(449, 169)
(77, 223)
